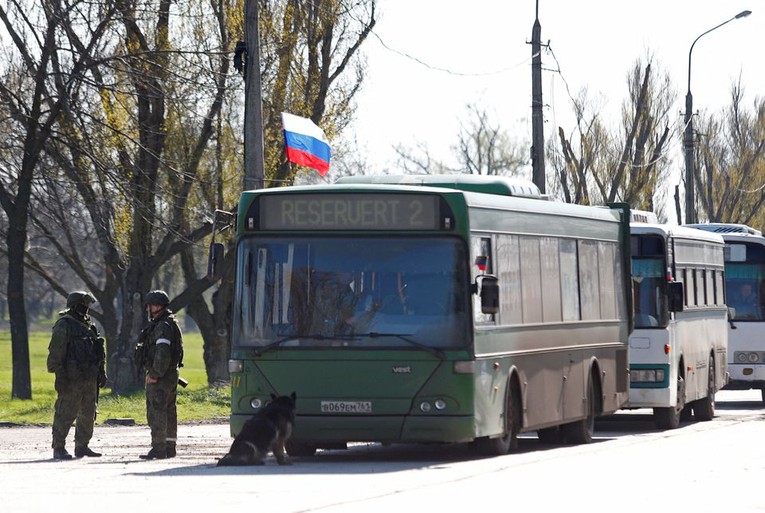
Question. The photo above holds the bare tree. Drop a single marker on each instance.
(418, 160)
(730, 162)
(130, 140)
(34, 96)
(578, 154)
(484, 148)
(626, 167)
(147, 146)
(312, 67)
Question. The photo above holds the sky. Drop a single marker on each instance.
(428, 59)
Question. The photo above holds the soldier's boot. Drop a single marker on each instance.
(170, 451)
(61, 454)
(154, 454)
(79, 452)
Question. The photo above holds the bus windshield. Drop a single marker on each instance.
(649, 281)
(648, 278)
(351, 292)
(745, 281)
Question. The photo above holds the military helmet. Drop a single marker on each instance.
(79, 296)
(157, 297)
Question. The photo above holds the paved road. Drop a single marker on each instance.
(630, 467)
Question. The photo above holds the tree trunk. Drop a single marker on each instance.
(21, 387)
(215, 327)
(218, 352)
(125, 375)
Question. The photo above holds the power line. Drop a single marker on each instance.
(446, 70)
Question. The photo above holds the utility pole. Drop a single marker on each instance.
(537, 117)
(690, 189)
(688, 136)
(254, 174)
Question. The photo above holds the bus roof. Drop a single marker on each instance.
(680, 232)
(502, 185)
(643, 216)
(727, 228)
(467, 186)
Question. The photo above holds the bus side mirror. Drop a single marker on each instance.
(215, 261)
(676, 295)
(489, 294)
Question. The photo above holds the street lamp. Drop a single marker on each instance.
(688, 142)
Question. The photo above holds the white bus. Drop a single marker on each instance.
(678, 348)
(745, 284)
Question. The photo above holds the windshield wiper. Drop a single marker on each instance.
(276, 343)
(405, 337)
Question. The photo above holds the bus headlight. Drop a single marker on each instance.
(256, 403)
(425, 407)
(235, 366)
(749, 356)
(440, 405)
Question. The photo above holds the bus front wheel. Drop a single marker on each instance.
(509, 439)
(704, 408)
(669, 418)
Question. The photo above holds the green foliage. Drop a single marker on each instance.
(197, 402)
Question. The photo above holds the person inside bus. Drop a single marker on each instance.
(747, 303)
(340, 304)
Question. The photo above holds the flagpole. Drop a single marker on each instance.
(254, 172)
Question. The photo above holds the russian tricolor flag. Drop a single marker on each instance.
(305, 143)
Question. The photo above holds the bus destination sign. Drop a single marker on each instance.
(338, 211)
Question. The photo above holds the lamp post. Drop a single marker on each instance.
(688, 140)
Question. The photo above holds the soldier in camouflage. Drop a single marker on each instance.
(159, 352)
(76, 355)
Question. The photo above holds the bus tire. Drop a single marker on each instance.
(508, 441)
(298, 449)
(669, 418)
(581, 431)
(704, 408)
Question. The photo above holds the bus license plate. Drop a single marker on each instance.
(346, 406)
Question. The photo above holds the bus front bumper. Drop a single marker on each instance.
(745, 377)
(395, 429)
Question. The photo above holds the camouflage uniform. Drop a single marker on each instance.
(76, 355)
(161, 356)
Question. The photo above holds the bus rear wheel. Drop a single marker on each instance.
(669, 418)
(704, 408)
(581, 431)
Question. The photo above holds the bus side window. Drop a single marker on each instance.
(481, 246)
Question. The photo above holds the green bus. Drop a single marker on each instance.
(433, 309)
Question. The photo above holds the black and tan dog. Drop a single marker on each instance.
(265, 431)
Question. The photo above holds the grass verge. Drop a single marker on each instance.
(197, 402)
